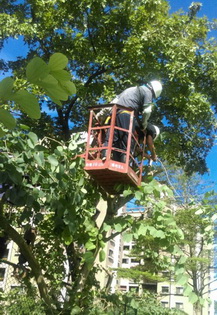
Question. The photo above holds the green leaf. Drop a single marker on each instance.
(6, 86)
(188, 289)
(2, 133)
(90, 245)
(67, 237)
(152, 231)
(193, 298)
(200, 211)
(69, 87)
(52, 160)
(36, 70)
(102, 255)
(24, 127)
(160, 234)
(76, 310)
(7, 119)
(57, 61)
(127, 237)
(28, 103)
(56, 93)
(33, 137)
(138, 195)
(134, 304)
(39, 158)
(183, 259)
(142, 229)
(214, 217)
(88, 257)
(118, 227)
(61, 75)
(182, 279)
(49, 81)
(106, 227)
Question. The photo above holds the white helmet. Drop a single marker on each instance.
(156, 87)
(157, 132)
(153, 130)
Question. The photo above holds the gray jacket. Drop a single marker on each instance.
(138, 98)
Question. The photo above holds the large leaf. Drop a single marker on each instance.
(33, 137)
(102, 255)
(36, 70)
(52, 160)
(127, 237)
(193, 298)
(6, 86)
(2, 133)
(69, 87)
(57, 93)
(61, 75)
(49, 81)
(57, 61)
(7, 119)
(28, 103)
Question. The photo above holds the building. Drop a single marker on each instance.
(7, 279)
(170, 294)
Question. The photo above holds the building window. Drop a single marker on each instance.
(179, 305)
(134, 260)
(126, 247)
(5, 255)
(112, 243)
(179, 290)
(164, 304)
(166, 274)
(125, 261)
(2, 274)
(110, 253)
(133, 288)
(165, 289)
(110, 260)
(123, 287)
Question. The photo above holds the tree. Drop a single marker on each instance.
(191, 260)
(114, 45)
(110, 46)
(43, 202)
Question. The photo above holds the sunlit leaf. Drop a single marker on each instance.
(36, 70)
(6, 86)
(61, 75)
(7, 119)
(28, 103)
(57, 61)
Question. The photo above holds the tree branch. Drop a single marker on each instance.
(25, 250)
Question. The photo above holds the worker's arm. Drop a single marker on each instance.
(102, 114)
(146, 113)
(150, 144)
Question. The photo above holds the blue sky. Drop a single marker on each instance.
(209, 8)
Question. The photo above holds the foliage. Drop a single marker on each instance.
(113, 45)
(44, 185)
(130, 304)
(107, 47)
(52, 78)
(20, 302)
(197, 224)
(189, 258)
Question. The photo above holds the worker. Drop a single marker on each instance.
(140, 99)
(151, 134)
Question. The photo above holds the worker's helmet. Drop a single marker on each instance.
(153, 130)
(156, 87)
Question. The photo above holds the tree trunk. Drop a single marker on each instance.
(24, 248)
